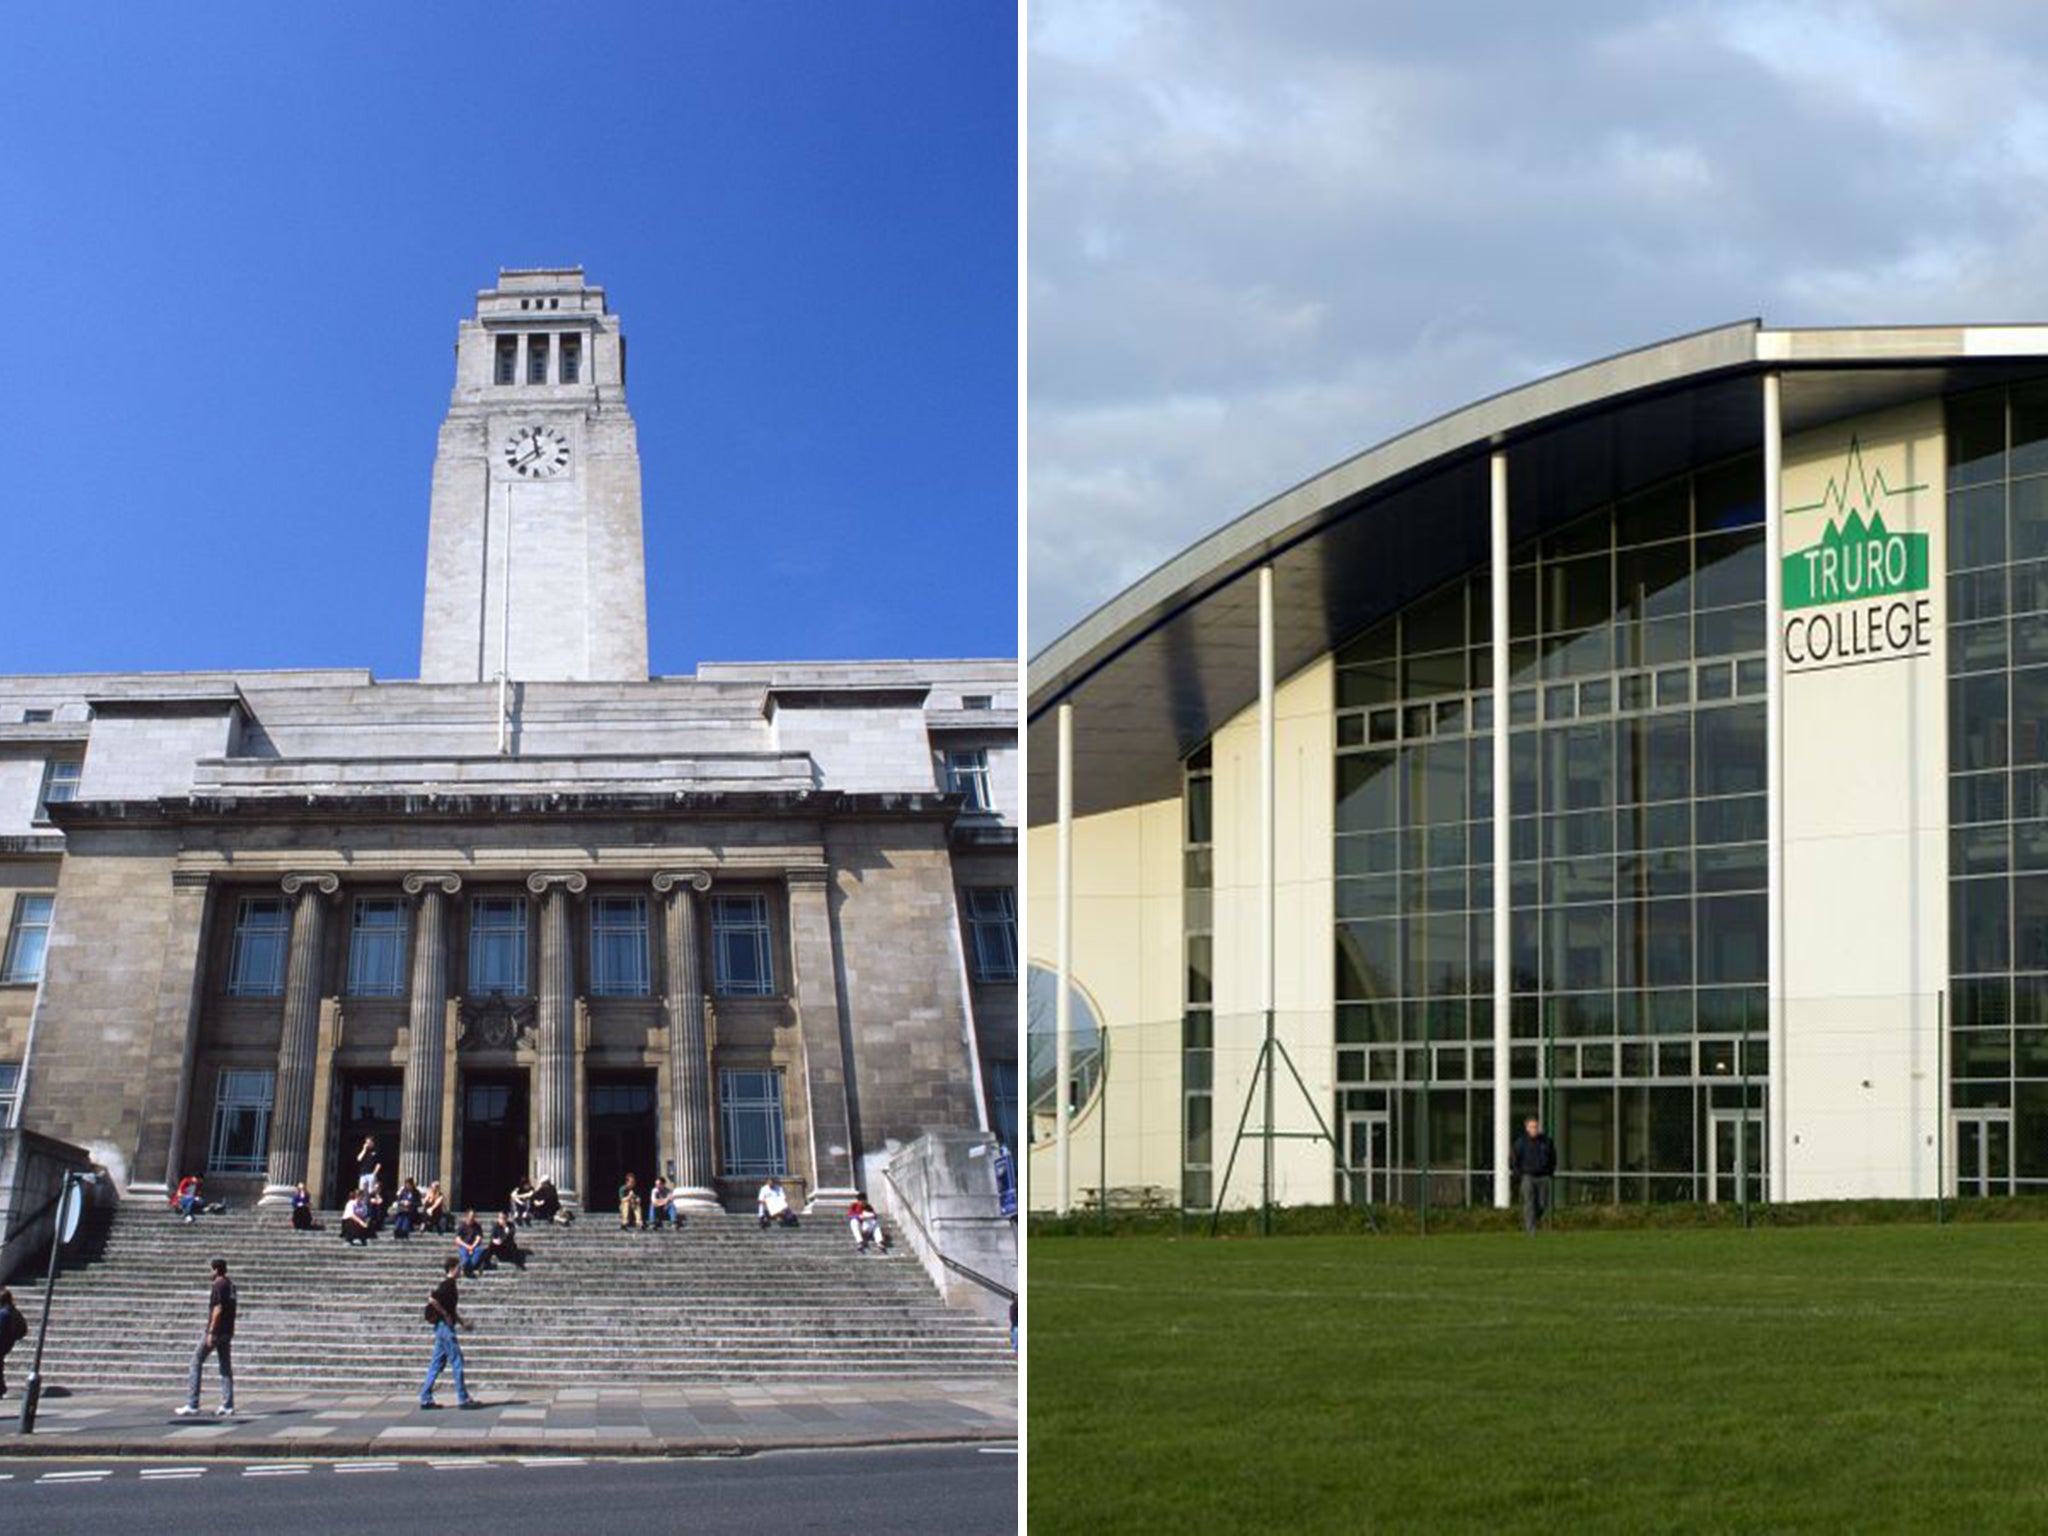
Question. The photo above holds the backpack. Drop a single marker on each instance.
(16, 1328)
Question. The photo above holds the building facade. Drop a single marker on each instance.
(536, 911)
(1654, 749)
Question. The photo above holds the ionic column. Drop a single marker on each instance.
(689, 1050)
(419, 1124)
(554, 1074)
(814, 959)
(291, 1108)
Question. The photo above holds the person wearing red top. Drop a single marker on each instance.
(186, 1201)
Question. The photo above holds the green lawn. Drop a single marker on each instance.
(1867, 1378)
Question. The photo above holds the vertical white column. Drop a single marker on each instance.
(1267, 975)
(1063, 924)
(1774, 771)
(1503, 939)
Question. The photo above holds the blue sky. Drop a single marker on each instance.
(235, 251)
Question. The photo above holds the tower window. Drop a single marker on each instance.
(537, 359)
(508, 359)
(572, 359)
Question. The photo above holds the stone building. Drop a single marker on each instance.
(536, 910)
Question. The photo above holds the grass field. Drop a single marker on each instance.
(1849, 1378)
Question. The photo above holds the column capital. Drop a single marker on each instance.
(698, 880)
(807, 874)
(574, 881)
(326, 883)
(445, 881)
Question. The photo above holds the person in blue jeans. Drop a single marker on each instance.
(442, 1312)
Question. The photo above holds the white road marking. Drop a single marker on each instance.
(456, 1466)
(553, 1461)
(76, 1477)
(998, 1450)
(366, 1466)
(299, 1470)
(161, 1474)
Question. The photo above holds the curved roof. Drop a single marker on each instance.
(1156, 670)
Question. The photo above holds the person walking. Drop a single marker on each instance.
(218, 1339)
(13, 1329)
(1533, 1159)
(443, 1313)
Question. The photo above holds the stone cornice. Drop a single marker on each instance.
(681, 804)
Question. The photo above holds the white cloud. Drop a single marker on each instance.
(1266, 237)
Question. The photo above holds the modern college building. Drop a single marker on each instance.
(536, 909)
(1660, 748)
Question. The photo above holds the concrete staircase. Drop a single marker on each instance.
(721, 1301)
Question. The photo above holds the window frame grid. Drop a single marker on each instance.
(358, 982)
(234, 1095)
(733, 1108)
(480, 931)
(20, 924)
(758, 928)
(602, 982)
(238, 953)
(994, 933)
(967, 774)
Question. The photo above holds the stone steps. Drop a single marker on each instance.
(721, 1301)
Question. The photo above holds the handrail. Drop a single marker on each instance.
(903, 1203)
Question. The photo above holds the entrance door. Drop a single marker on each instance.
(365, 1104)
(1983, 1152)
(1735, 1156)
(622, 1135)
(492, 1153)
(1365, 1153)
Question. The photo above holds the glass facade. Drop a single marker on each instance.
(1198, 997)
(751, 1103)
(618, 946)
(1638, 941)
(1997, 507)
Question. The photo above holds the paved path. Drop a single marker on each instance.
(608, 1421)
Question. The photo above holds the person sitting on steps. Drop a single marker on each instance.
(355, 1222)
(434, 1213)
(660, 1200)
(505, 1247)
(772, 1205)
(469, 1244)
(522, 1200)
(302, 1211)
(373, 1197)
(547, 1204)
(405, 1209)
(186, 1201)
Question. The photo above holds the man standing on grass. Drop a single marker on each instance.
(219, 1339)
(1534, 1160)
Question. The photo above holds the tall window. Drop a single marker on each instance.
(992, 919)
(10, 1090)
(262, 935)
(508, 360)
(618, 946)
(27, 939)
(1198, 996)
(1002, 1100)
(376, 947)
(241, 1123)
(741, 963)
(967, 774)
(537, 358)
(60, 786)
(497, 945)
(572, 359)
(752, 1106)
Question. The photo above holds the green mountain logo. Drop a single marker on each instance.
(1858, 557)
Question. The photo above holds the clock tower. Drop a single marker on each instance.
(535, 565)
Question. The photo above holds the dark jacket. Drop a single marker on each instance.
(1533, 1157)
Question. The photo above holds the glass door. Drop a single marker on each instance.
(1735, 1156)
(1983, 1152)
(1365, 1156)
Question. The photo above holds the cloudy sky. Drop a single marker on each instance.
(1265, 237)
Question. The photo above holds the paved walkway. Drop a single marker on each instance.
(608, 1421)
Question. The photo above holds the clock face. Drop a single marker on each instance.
(536, 452)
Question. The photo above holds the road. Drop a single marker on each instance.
(956, 1490)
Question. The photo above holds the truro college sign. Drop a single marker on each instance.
(1859, 592)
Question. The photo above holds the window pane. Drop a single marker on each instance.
(740, 956)
(376, 956)
(618, 946)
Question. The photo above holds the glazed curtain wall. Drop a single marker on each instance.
(1638, 843)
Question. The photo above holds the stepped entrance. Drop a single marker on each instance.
(366, 1104)
(622, 1135)
(492, 1150)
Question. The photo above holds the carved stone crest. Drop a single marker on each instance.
(496, 1022)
